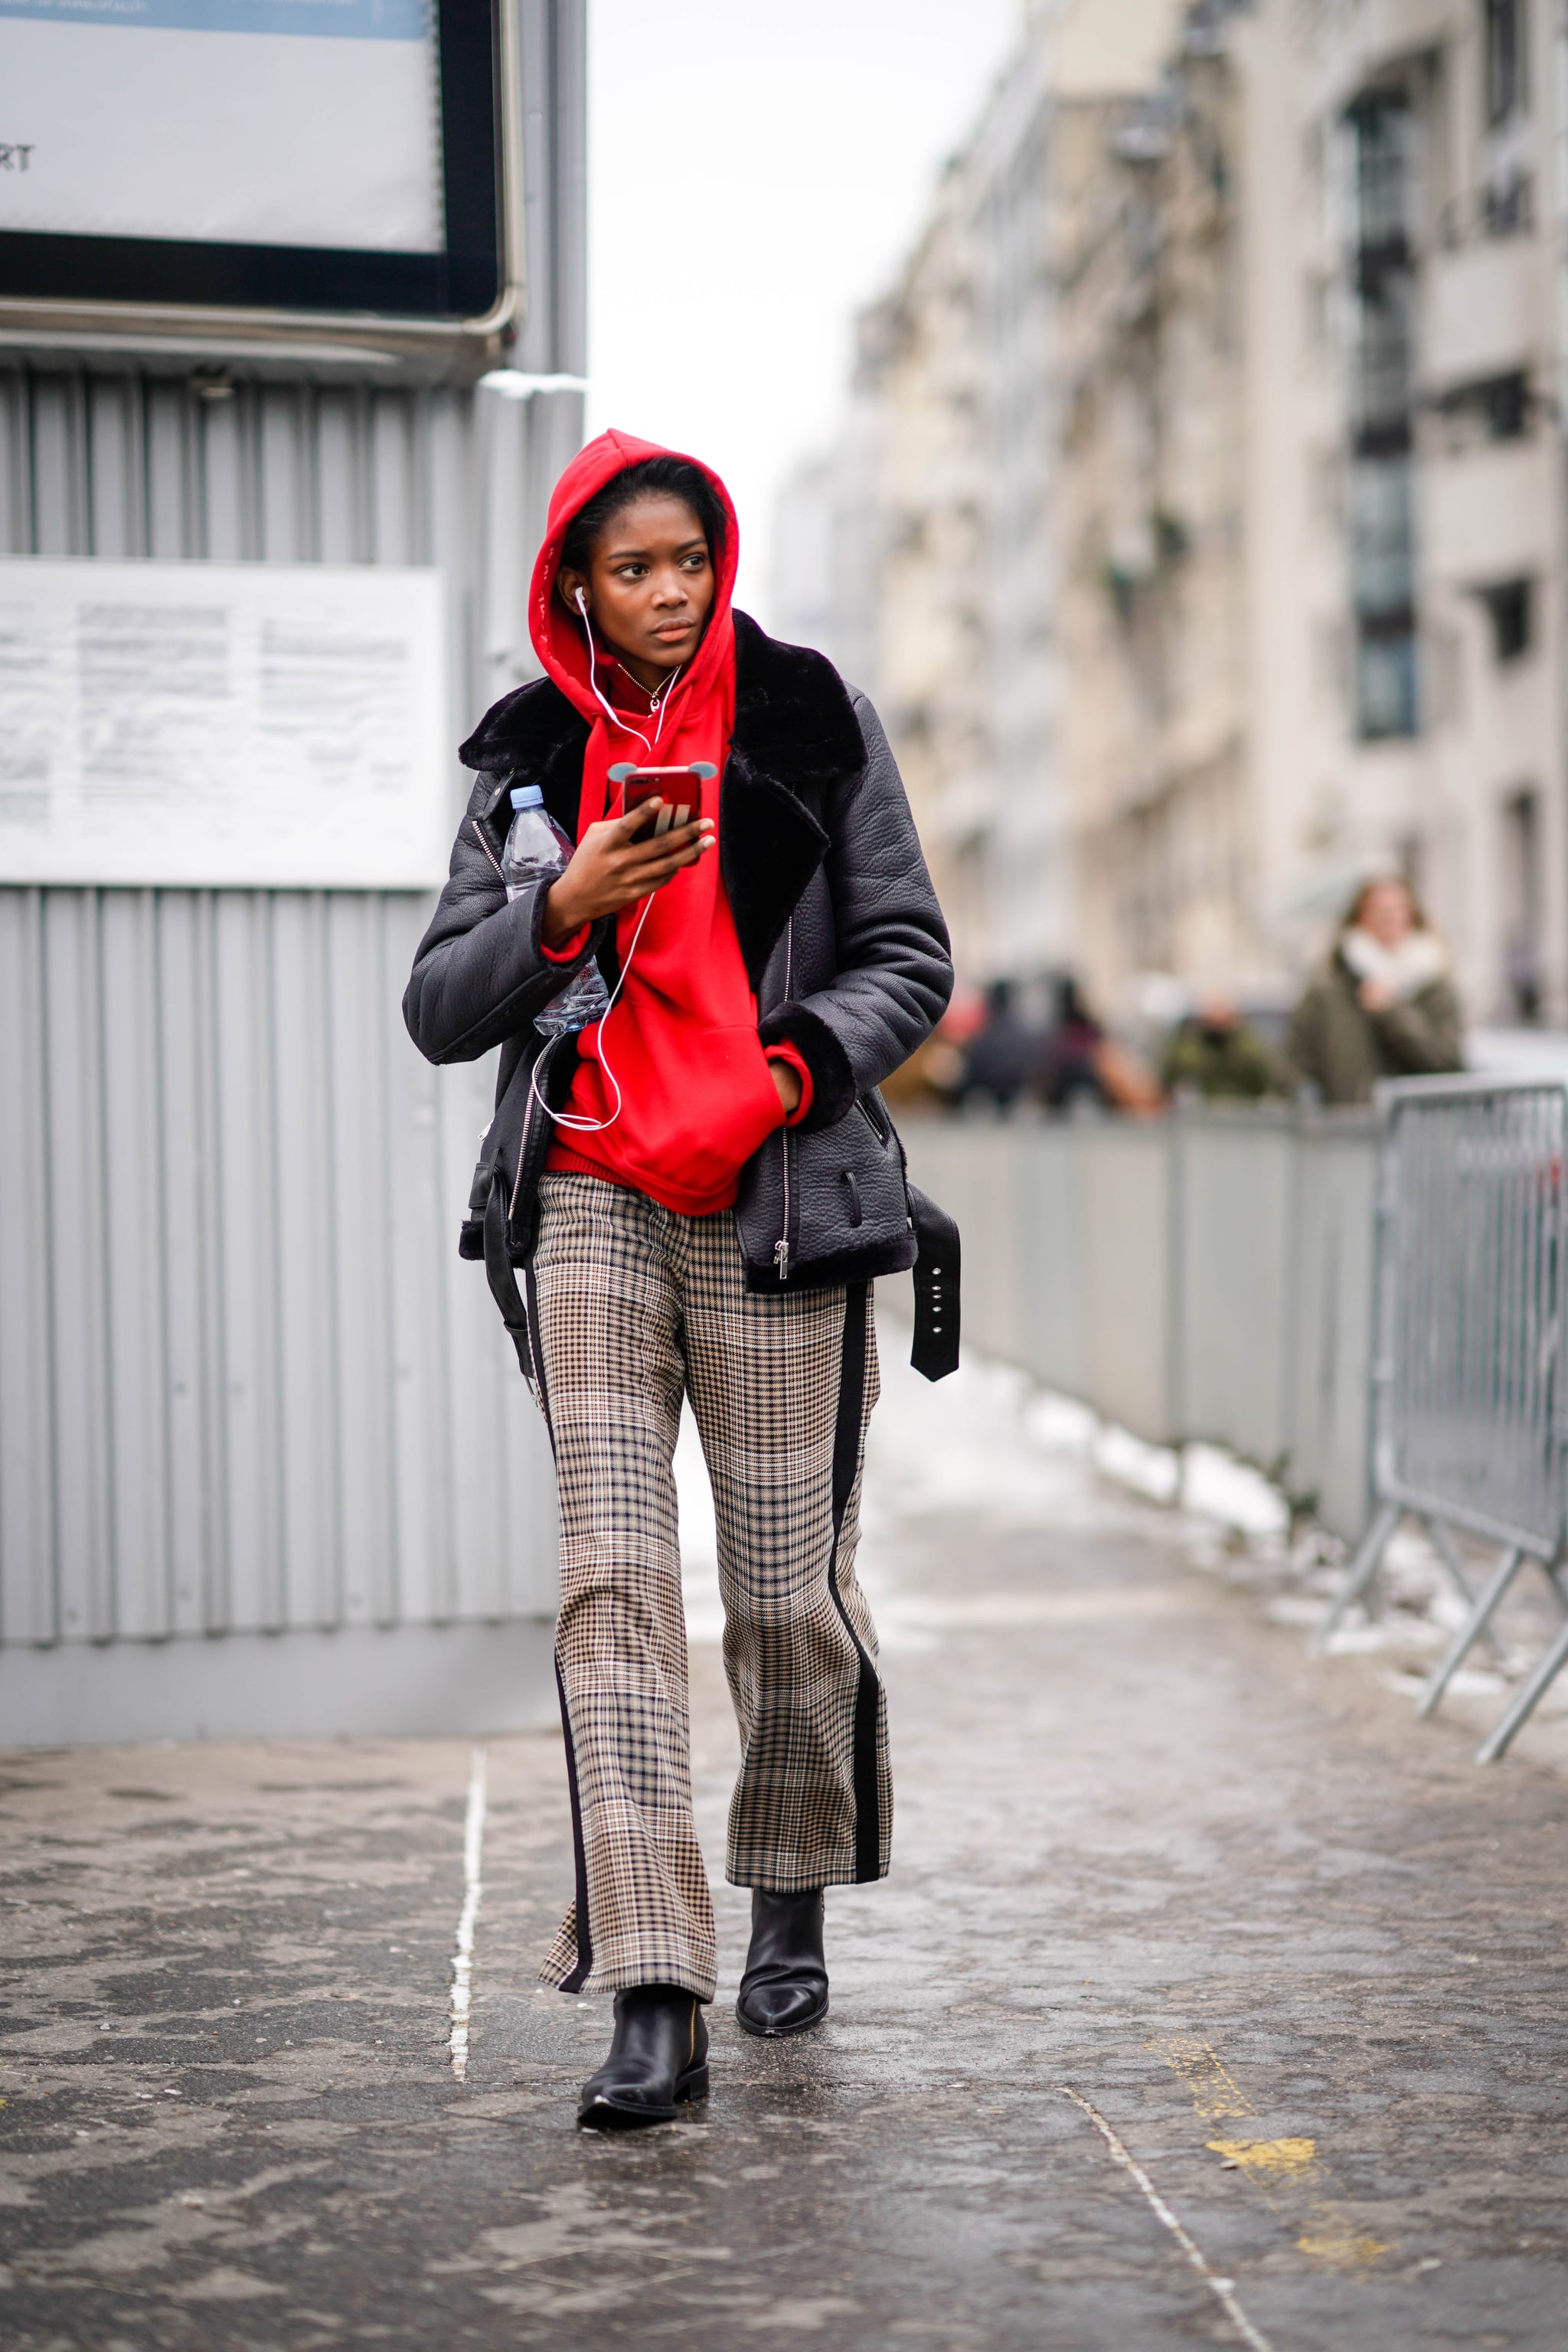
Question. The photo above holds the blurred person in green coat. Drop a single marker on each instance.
(1383, 1005)
(1217, 1053)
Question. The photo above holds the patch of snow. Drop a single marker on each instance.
(1215, 1485)
(1152, 1470)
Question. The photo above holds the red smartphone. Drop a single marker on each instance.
(640, 785)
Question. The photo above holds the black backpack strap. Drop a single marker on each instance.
(936, 1278)
(500, 1275)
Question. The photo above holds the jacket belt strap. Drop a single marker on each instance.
(936, 1278)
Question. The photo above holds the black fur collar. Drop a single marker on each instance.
(796, 734)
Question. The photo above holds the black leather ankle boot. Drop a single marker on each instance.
(658, 2058)
(785, 1989)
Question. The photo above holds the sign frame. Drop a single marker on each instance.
(67, 290)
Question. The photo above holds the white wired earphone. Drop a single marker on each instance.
(574, 1119)
(659, 704)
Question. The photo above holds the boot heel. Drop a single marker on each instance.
(693, 2085)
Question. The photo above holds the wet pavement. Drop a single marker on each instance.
(1213, 1999)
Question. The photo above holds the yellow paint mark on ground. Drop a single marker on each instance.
(1202, 2069)
(1343, 2250)
(1287, 2173)
(1273, 2159)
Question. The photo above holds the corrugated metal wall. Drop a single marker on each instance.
(245, 1382)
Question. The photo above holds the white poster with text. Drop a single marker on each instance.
(259, 725)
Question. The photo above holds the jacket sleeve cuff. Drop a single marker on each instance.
(833, 1088)
(802, 1069)
(569, 949)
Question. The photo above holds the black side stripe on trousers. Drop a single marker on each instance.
(579, 1976)
(536, 1349)
(846, 1454)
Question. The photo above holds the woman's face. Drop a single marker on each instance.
(649, 586)
(1386, 912)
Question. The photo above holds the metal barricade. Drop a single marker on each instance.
(1236, 1174)
(1467, 1396)
(1206, 1276)
(1329, 1321)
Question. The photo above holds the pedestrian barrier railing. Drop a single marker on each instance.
(1367, 1305)
(1468, 1392)
(1205, 1276)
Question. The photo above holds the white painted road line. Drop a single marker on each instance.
(1221, 2288)
(463, 1958)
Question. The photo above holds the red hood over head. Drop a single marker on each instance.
(560, 640)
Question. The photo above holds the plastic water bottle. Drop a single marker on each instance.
(536, 850)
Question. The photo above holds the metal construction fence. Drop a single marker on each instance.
(1207, 1275)
(1468, 1420)
(1367, 1305)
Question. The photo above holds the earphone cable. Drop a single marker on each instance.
(617, 718)
(574, 1119)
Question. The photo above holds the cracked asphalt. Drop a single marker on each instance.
(1304, 1960)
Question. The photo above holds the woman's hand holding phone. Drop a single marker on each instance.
(618, 861)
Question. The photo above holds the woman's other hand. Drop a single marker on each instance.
(618, 861)
(787, 1081)
(1377, 996)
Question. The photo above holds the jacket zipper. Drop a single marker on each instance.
(781, 1248)
(489, 853)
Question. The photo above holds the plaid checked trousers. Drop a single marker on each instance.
(631, 1306)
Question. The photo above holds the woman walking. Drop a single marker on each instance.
(701, 1215)
(1383, 1004)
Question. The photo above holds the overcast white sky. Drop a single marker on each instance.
(757, 169)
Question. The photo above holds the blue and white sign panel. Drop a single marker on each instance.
(257, 725)
(256, 122)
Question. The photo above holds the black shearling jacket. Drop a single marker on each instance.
(842, 938)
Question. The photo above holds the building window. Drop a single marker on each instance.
(1503, 401)
(1385, 172)
(1383, 594)
(1508, 208)
(1385, 682)
(1487, 408)
(1382, 403)
(1521, 903)
(1504, 36)
(1382, 358)
(1510, 610)
(1383, 536)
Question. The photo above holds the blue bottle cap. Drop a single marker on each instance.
(528, 797)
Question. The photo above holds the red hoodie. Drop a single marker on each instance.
(696, 1095)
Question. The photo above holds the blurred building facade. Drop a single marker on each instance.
(1430, 316)
(938, 484)
(1207, 489)
(1146, 509)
